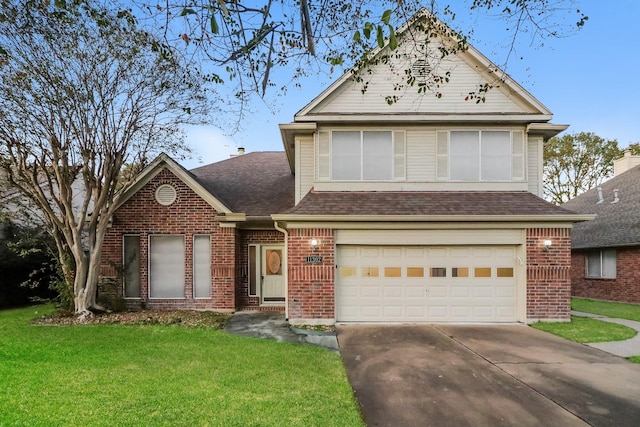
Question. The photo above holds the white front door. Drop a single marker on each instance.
(272, 276)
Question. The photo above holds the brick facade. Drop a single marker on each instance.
(188, 215)
(311, 286)
(624, 288)
(548, 281)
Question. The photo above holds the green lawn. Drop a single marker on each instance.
(609, 309)
(584, 329)
(118, 375)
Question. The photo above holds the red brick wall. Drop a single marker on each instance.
(246, 238)
(548, 282)
(311, 286)
(625, 287)
(187, 216)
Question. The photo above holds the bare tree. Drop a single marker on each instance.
(83, 92)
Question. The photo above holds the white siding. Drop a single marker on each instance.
(420, 161)
(464, 78)
(420, 155)
(534, 165)
(305, 175)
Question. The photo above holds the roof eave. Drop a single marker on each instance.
(546, 130)
(435, 218)
(288, 132)
(430, 118)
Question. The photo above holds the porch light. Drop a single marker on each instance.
(546, 245)
(314, 244)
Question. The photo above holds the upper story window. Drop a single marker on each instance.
(488, 155)
(355, 155)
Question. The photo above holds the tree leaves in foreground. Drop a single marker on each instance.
(83, 93)
(255, 47)
(574, 163)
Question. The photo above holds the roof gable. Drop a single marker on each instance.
(467, 71)
(160, 163)
(617, 222)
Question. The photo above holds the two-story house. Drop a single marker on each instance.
(426, 209)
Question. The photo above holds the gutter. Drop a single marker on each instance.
(436, 218)
(286, 269)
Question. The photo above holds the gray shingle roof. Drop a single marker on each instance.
(257, 184)
(617, 224)
(434, 203)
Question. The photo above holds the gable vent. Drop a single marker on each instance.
(166, 194)
(420, 70)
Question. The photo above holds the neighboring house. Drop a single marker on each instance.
(426, 210)
(605, 260)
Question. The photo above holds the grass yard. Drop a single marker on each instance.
(119, 375)
(610, 309)
(584, 329)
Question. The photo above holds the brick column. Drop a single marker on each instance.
(311, 296)
(548, 280)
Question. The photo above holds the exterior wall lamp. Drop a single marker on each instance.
(546, 245)
(314, 244)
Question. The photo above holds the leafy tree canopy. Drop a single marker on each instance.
(84, 91)
(575, 163)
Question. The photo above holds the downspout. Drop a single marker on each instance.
(286, 270)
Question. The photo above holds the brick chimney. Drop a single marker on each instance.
(625, 163)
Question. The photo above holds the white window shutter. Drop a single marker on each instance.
(399, 155)
(517, 155)
(442, 155)
(323, 156)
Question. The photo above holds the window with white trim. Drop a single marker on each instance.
(166, 266)
(202, 266)
(486, 155)
(601, 264)
(355, 155)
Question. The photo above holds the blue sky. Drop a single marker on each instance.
(589, 80)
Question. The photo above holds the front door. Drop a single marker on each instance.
(272, 275)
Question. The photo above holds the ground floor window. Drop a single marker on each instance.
(601, 264)
(202, 266)
(131, 265)
(166, 266)
(254, 270)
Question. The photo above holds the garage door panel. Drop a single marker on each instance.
(426, 284)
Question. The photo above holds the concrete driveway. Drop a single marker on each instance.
(434, 375)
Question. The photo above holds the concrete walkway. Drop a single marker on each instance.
(626, 348)
(273, 325)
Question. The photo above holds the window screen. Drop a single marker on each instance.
(366, 155)
(166, 266)
(602, 264)
(464, 155)
(377, 154)
(202, 266)
(495, 158)
(346, 156)
(478, 156)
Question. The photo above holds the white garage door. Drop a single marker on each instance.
(426, 284)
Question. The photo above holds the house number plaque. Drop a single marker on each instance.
(314, 259)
